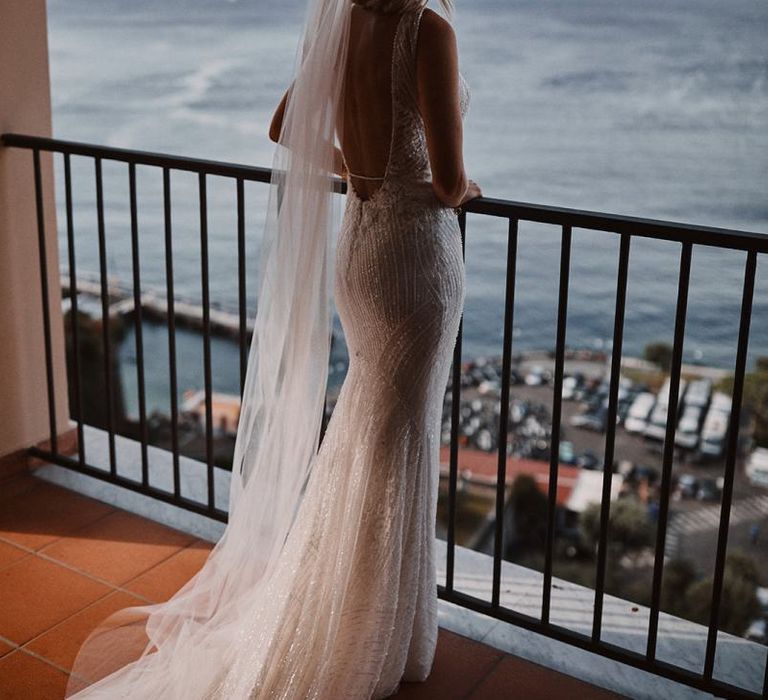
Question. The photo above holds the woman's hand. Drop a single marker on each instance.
(341, 168)
(473, 191)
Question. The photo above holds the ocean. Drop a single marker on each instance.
(656, 109)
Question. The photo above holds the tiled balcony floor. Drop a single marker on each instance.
(66, 561)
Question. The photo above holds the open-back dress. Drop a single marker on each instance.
(350, 608)
(367, 521)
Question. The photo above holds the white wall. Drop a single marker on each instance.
(25, 107)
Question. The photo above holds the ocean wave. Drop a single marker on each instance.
(597, 79)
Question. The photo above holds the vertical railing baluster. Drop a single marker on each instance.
(557, 402)
(506, 367)
(105, 319)
(171, 329)
(73, 310)
(730, 462)
(453, 470)
(669, 446)
(610, 433)
(206, 338)
(243, 312)
(137, 324)
(43, 263)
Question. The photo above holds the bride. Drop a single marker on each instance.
(323, 584)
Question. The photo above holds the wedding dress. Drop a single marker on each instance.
(350, 609)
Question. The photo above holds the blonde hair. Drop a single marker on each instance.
(391, 6)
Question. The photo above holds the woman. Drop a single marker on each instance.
(323, 584)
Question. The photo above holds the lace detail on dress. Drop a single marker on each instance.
(408, 176)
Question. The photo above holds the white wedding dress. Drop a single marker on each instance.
(350, 609)
(364, 540)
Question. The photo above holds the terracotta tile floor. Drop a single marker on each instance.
(67, 561)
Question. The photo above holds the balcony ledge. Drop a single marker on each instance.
(680, 642)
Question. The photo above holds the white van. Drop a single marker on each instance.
(687, 435)
(757, 467)
(698, 393)
(715, 428)
(657, 422)
(639, 411)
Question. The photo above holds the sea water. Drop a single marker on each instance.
(656, 109)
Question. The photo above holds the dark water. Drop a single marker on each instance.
(656, 109)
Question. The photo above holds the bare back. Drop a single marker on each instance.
(366, 112)
(434, 85)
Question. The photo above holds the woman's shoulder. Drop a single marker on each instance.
(435, 33)
(434, 23)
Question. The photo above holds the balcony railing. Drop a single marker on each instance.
(626, 228)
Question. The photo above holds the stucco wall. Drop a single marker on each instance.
(25, 107)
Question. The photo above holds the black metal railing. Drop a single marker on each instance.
(627, 228)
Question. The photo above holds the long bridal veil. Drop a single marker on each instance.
(181, 648)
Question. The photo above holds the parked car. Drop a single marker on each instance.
(591, 420)
(758, 631)
(535, 376)
(656, 429)
(489, 387)
(641, 472)
(485, 440)
(708, 490)
(762, 599)
(639, 412)
(757, 467)
(588, 460)
(698, 393)
(715, 429)
(687, 486)
(687, 435)
(567, 453)
(571, 385)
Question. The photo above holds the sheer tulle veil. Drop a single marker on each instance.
(182, 647)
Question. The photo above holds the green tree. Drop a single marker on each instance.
(755, 397)
(679, 575)
(91, 364)
(629, 528)
(660, 354)
(529, 507)
(739, 604)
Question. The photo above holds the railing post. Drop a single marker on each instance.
(73, 310)
(105, 318)
(557, 403)
(730, 463)
(174, 398)
(138, 324)
(610, 434)
(684, 277)
(506, 370)
(453, 469)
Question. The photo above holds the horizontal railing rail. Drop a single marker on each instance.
(502, 208)
(627, 228)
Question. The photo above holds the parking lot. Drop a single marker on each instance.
(694, 509)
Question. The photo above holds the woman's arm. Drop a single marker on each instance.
(277, 124)
(277, 118)
(437, 72)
